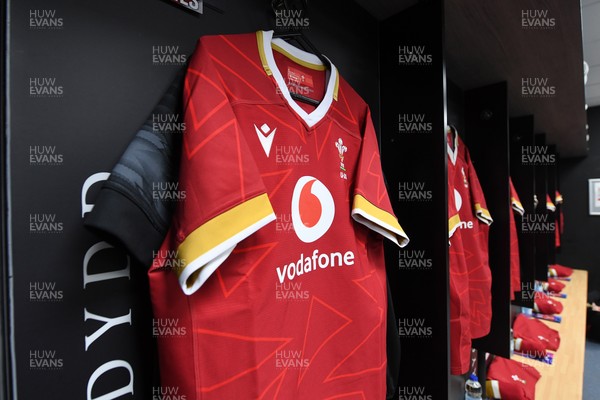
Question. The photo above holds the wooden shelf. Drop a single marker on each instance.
(564, 378)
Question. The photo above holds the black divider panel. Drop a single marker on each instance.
(540, 225)
(523, 177)
(486, 128)
(5, 370)
(414, 160)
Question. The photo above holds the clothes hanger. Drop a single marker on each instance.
(300, 39)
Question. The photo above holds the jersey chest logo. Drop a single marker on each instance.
(341, 151)
(265, 136)
(313, 209)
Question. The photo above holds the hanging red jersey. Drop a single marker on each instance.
(278, 243)
(474, 231)
(561, 219)
(515, 263)
(460, 325)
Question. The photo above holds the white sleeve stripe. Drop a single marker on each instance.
(518, 209)
(484, 219)
(380, 227)
(496, 389)
(518, 343)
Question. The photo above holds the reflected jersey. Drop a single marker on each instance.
(474, 230)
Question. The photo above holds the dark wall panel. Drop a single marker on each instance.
(581, 231)
(92, 67)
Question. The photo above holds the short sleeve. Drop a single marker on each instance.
(371, 204)
(225, 198)
(126, 211)
(549, 204)
(479, 205)
(515, 202)
(558, 198)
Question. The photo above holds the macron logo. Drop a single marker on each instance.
(266, 136)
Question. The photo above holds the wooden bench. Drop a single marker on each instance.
(564, 378)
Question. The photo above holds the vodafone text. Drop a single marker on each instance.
(304, 265)
(466, 225)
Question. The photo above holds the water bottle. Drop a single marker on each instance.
(473, 389)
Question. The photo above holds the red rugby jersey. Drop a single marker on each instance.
(460, 325)
(557, 270)
(511, 380)
(534, 330)
(559, 201)
(553, 286)
(515, 263)
(474, 230)
(274, 261)
(544, 304)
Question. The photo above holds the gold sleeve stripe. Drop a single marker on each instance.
(337, 86)
(483, 214)
(492, 389)
(383, 219)
(453, 223)
(261, 52)
(209, 241)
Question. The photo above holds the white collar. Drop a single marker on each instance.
(311, 119)
(452, 152)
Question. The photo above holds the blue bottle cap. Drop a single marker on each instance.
(473, 377)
